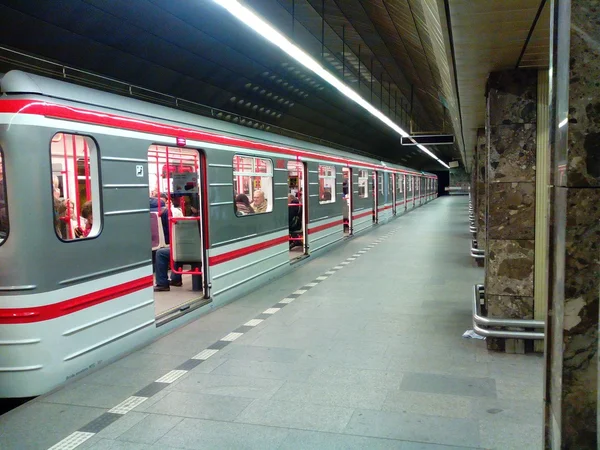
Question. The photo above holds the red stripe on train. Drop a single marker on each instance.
(48, 312)
(43, 108)
(337, 223)
(218, 259)
(361, 215)
(384, 208)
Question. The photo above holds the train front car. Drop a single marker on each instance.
(75, 277)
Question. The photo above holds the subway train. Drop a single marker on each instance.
(101, 194)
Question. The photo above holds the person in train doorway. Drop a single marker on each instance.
(163, 255)
(295, 219)
(259, 205)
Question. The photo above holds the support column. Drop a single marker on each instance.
(571, 379)
(511, 140)
(480, 183)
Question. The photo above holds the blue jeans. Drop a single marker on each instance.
(163, 258)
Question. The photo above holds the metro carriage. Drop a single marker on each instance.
(80, 171)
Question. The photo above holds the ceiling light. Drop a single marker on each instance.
(258, 24)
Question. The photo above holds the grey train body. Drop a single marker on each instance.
(67, 307)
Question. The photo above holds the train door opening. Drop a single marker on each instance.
(177, 228)
(297, 209)
(347, 200)
(374, 190)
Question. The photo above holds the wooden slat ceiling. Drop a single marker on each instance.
(490, 36)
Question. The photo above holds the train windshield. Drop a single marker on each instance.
(3, 203)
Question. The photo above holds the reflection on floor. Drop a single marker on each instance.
(177, 296)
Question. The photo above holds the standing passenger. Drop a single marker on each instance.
(163, 255)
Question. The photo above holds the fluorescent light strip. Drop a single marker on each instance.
(263, 28)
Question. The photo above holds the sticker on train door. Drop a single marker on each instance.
(139, 171)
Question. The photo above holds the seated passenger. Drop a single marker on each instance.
(86, 213)
(260, 203)
(163, 255)
(242, 205)
(74, 223)
(157, 204)
(60, 225)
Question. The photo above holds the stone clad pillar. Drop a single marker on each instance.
(480, 187)
(510, 220)
(571, 387)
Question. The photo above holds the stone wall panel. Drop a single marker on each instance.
(512, 152)
(510, 306)
(509, 267)
(511, 211)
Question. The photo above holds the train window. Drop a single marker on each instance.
(252, 185)
(399, 183)
(380, 182)
(390, 185)
(326, 184)
(75, 186)
(409, 183)
(363, 182)
(3, 203)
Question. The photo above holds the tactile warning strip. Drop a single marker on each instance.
(87, 431)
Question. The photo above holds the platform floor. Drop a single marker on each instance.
(365, 353)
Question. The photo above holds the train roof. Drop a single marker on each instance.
(18, 82)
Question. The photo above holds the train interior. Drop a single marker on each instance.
(346, 199)
(176, 228)
(296, 209)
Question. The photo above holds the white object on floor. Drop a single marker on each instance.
(470, 334)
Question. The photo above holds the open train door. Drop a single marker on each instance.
(375, 191)
(297, 209)
(178, 216)
(347, 200)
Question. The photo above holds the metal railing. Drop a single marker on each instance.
(480, 322)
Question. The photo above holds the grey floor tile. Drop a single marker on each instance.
(201, 406)
(296, 415)
(40, 425)
(205, 434)
(509, 410)
(94, 395)
(429, 404)
(236, 386)
(117, 428)
(264, 369)
(145, 359)
(499, 435)
(448, 384)
(298, 439)
(423, 446)
(520, 389)
(414, 427)
(360, 378)
(150, 429)
(344, 395)
(121, 376)
(108, 444)
(256, 353)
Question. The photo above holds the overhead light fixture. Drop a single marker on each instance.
(266, 30)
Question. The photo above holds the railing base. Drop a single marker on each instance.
(480, 322)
